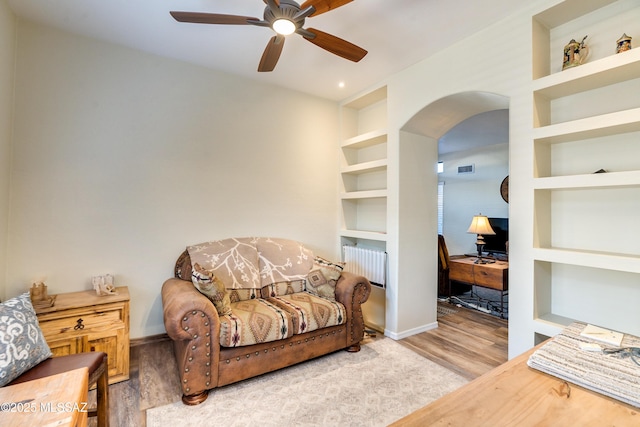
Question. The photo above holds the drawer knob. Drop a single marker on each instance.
(79, 326)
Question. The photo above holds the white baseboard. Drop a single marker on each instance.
(410, 332)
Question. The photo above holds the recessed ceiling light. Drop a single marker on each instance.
(340, 85)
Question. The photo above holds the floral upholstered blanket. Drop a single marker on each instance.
(253, 262)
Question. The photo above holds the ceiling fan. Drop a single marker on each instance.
(284, 17)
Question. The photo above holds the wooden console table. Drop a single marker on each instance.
(494, 275)
(83, 321)
(513, 394)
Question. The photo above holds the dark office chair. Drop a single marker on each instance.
(444, 284)
(446, 288)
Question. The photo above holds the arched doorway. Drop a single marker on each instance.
(417, 211)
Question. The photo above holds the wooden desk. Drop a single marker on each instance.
(515, 395)
(494, 275)
(57, 400)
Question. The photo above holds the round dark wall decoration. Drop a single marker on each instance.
(504, 189)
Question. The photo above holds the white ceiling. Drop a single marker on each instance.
(397, 34)
(488, 128)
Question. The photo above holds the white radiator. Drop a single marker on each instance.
(369, 263)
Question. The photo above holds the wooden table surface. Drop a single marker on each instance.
(82, 299)
(514, 394)
(57, 400)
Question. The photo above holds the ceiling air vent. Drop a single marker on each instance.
(466, 169)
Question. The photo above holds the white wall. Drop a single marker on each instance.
(7, 65)
(466, 195)
(418, 217)
(123, 158)
(496, 60)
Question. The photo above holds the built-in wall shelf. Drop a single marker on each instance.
(367, 235)
(368, 99)
(568, 11)
(591, 75)
(366, 167)
(604, 260)
(550, 324)
(585, 119)
(591, 127)
(370, 194)
(374, 137)
(364, 182)
(548, 21)
(593, 180)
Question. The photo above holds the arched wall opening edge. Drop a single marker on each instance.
(417, 268)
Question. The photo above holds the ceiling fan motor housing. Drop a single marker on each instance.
(288, 10)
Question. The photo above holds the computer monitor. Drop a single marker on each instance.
(497, 243)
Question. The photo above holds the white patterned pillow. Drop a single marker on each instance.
(22, 345)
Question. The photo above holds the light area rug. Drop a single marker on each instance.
(380, 384)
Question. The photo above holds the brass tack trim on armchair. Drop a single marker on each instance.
(195, 348)
(291, 344)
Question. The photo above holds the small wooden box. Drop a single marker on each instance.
(82, 321)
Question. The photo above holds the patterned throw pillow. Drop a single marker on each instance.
(323, 277)
(22, 345)
(211, 287)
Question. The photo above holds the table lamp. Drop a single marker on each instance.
(480, 225)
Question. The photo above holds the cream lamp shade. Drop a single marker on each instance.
(480, 225)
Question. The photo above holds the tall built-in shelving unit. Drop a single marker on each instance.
(585, 119)
(363, 170)
(363, 181)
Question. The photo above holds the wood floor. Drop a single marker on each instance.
(467, 342)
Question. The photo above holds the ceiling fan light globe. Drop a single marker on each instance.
(283, 26)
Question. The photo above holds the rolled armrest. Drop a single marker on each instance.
(348, 284)
(353, 291)
(192, 322)
(180, 299)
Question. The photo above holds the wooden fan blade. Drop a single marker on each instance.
(271, 54)
(323, 6)
(211, 18)
(336, 45)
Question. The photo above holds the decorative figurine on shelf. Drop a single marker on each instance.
(623, 43)
(104, 285)
(39, 297)
(575, 53)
